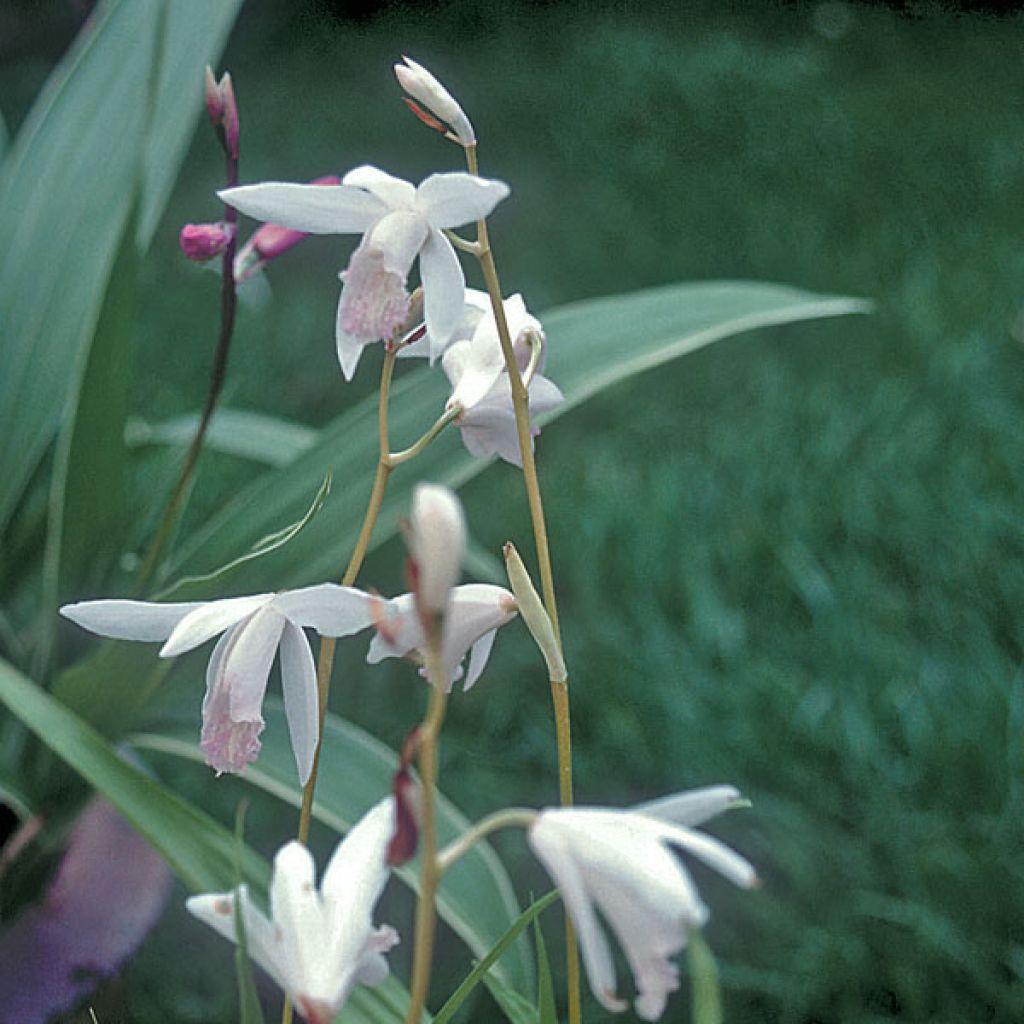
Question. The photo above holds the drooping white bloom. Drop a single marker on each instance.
(436, 538)
(475, 611)
(421, 85)
(618, 862)
(255, 628)
(317, 945)
(475, 367)
(398, 221)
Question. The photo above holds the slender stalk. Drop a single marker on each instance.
(325, 660)
(508, 817)
(430, 870)
(559, 691)
(397, 458)
(228, 305)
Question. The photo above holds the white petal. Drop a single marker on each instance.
(297, 915)
(399, 236)
(551, 848)
(218, 911)
(208, 620)
(129, 620)
(480, 652)
(454, 198)
(373, 968)
(247, 663)
(301, 697)
(395, 192)
(318, 209)
(544, 396)
(475, 368)
(329, 609)
(715, 854)
(443, 288)
(692, 807)
(490, 429)
(356, 872)
(398, 629)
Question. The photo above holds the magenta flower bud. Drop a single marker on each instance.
(227, 92)
(201, 242)
(271, 241)
(214, 99)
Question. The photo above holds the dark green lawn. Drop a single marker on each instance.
(791, 561)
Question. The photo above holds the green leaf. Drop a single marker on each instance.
(516, 1008)
(545, 990)
(592, 345)
(475, 899)
(707, 996)
(62, 219)
(482, 970)
(87, 515)
(264, 546)
(5, 139)
(247, 435)
(201, 852)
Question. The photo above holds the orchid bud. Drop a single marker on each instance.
(201, 242)
(419, 83)
(436, 538)
(222, 108)
(534, 614)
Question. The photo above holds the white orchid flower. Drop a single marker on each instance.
(475, 612)
(618, 862)
(317, 945)
(475, 367)
(254, 629)
(398, 221)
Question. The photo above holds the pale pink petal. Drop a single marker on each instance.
(208, 620)
(454, 198)
(328, 608)
(398, 629)
(129, 620)
(443, 288)
(229, 745)
(350, 348)
(393, 191)
(247, 663)
(317, 209)
(301, 697)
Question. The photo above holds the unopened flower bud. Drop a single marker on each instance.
(201, 242)
(436, 538)
(534, 614)
(223, 110)
(419, 83)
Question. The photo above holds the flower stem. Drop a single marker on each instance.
(325, 660)
(560, 690)
(450, 416)
(508, 817)
(228, 305)
(430, 870)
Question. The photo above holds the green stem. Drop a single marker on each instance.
(560, 691)
(508, 817)
(450, 416)
(430, 871)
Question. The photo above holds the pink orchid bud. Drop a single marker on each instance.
(421, 85)
(201, 242)
(436, 538)
(222, 108)
(271, 241)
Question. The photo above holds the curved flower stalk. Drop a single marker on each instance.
(398, 222)
(475, 367)
(254, 629)
(618, 862)
(475, 613)
(317, 945)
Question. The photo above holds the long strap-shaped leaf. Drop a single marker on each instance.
(476, 898)
(66, 190)
(592, 345)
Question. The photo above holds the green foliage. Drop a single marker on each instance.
(707, 998)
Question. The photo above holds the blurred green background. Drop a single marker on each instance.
(787, 562)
